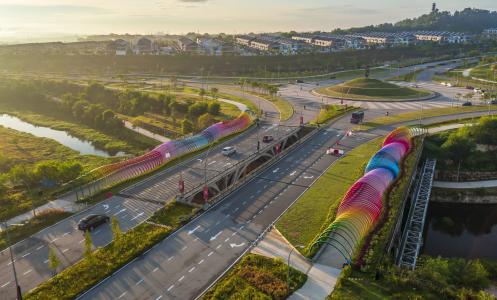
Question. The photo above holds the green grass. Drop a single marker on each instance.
(329, 112)
(21, 231)
(283, 106)
(415, 115)
(19, 147)
(484, 72)
(104, 261)
(257, 277)
(315, 209)
(372, 89)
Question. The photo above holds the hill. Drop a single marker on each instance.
(470, 20)
(372, 89)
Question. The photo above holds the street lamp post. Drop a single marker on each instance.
(288, 274)
(12, 262)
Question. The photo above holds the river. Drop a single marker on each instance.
(461, 230)
(82, 146)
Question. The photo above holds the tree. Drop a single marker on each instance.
(486, 131)
(197, 109)
(206, 120)
(53, 261)
(214, 92)
(214, 108)
(116, 230)
(186, 126)
(202, 93)
(459, 145)
(88, 245)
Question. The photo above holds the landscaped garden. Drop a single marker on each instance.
(372, 90)
(257, 277)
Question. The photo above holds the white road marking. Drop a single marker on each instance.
(98, 231)
(46, 261)
(181, 278)
(122, 210)
(191, 270)
(241, 227)
(26, 254)
(252, 197)
(218, 246)
(66, 233)
(212, 162)
(200, 262)
(105, 206)
(237, 245)
(5, 284)
(65, 250)
(155, 270)
(227, 239)
(193, 230)
(141, 280)
(234, 233)
(210, 253)
(159, 297)
(236, 209)
(40, 247)
(244, 202)
(196, 239)
(170, 288)
(81, 241)
(215, 236)
(54, 240)
(293, 173)
(170, 258)
(184, 248)
(27, 272)
(122, 295)
(137, 216)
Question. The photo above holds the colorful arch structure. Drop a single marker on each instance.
(113, 173)
(361, 206)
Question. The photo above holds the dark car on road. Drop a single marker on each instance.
(467, 103)
(357, 117)
(267, 138)
(91, 222)
(299, 81)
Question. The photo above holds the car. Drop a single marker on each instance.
(493, 102)
(468, 87)
(91, 222)
(228, 151)
(467, 103)
(299, 81)
(267, 138)
(357, 117)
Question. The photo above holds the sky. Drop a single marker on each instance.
(31, 19)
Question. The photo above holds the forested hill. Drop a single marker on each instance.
(469, 20)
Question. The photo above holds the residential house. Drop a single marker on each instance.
(187, 45)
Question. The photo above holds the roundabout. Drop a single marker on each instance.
(366, 89)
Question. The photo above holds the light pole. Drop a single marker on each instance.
(288, 274)
(12, 261)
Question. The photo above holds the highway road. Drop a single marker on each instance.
(131, 207)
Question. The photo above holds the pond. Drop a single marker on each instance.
(461, 230)
(82, 146)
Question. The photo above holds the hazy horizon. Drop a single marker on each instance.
(32, 20)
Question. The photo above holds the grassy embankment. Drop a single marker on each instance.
(316, 208)
(257, 277)
(283, 106)
(372, 90)
(485, 72)
(332, 111)
(18, 147)
(104, 261)
(416, 115)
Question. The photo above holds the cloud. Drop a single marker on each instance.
(25, 9)
(193, 1)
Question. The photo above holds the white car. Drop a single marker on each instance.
(228, 151)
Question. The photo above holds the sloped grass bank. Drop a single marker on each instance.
(257, 277)
(316, 208)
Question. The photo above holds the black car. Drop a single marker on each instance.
(467, 103)
(299, 81)
(267, 138)
(90, 222)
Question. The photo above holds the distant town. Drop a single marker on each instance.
(246, 45)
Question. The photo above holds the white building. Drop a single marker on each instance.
(210, 46)
(144, 46)
(244, 40)
(292, 47)
(263, 45)
(303, 38)
(490, 32)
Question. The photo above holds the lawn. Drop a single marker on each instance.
(283, 106)
(409, 77)
(315, 209)
(329, 112)
(257, 277)
(485, 72)
(371, 90)
(415, 115)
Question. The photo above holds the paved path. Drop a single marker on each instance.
(466, 184)
(146, 133)
(445, 128)
(321, 279)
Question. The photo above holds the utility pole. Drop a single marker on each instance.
(12, 261)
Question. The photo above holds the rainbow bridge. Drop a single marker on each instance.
(111, 174)
(361, 206)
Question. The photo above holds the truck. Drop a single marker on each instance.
(357, 117)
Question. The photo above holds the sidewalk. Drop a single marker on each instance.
(321, 279)
(466, 184)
